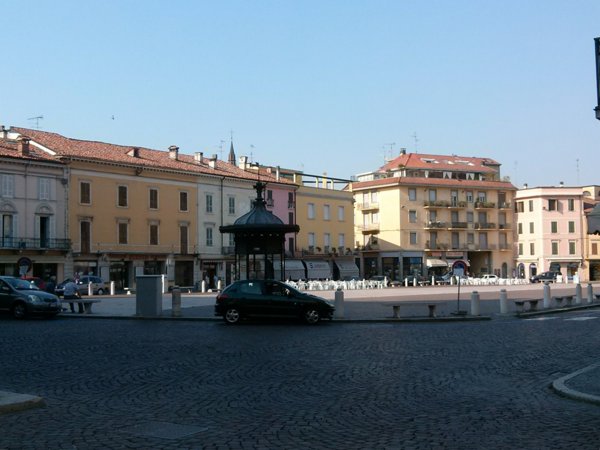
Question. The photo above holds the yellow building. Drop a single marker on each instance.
(422, 214)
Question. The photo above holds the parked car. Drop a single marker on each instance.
(490, 278)
(270, 298)
(21, 298)
(550, 277)
(98, 285)
(37, 281)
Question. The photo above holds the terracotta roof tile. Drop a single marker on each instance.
(11, 150)
(441, 182)
(441, 162)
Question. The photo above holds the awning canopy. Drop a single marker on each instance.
(318, 270)
(348, 269)
(436, 263)
(294, 270)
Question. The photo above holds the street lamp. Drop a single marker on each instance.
(597, 108)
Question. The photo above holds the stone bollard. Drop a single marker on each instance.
(578, 294)
(203, 286)
(503, 302)
(547, 295)
(176, 302)
(339, 304)
(590, 293)
(433, 280)
(406, 282)
(112, 288)
(90, 289)
(475, 303)
(219, 285)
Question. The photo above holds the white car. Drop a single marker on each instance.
(490, 278)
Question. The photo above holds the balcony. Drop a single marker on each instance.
(504, 205)
(435, 225)
(504, 247)
(369, 228)
(504, 226)
(484, 205)
(436, 204)
(368, 206)
(21, 243)
(228, 250)
(481, 247)
(484, 226)
(458, 225)
(455, 204)
(436, 245)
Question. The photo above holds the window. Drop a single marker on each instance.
(520, 228)
(122, 196)
(209, 237)
(231, 203)
(153, 234)
(341, 240)
(555, 247)
(183, 239)
(470, 238)
(85, 235)
(374, 197)
(341, 214)
(571, 247)
(412, 194)
(209, 203)
(531, 228)
(326, 212)
(571, 204)
(470, 216)
(375, 217)
(8, 185)
(44, 189)
(327, 240)
(469, 196)
(291, 218)
(594, 248)
(311, 239)
(311, 210)
(520, 207)
(183, 201)
(520, 248)
(571, 226)
(432, 195)
(481, 196)
(552, 204)
(153, 198)
(532, 248)
(530, 205)
(231, 239)
(554, 227)
(412, 216)
(291, 202)
(123, 230)
(413, 238)
(85, 193)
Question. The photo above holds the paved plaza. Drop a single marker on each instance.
(156, 384)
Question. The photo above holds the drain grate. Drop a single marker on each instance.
(164, 430)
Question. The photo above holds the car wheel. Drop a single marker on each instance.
(232, 315)
(19, 310)
(100, 291)
(312, 316)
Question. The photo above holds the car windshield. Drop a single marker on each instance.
(22, 285)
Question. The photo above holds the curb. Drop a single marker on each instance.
(561, 388)
(544, 312)
(12, 402)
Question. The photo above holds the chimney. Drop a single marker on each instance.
(173, 152)
(135, 152)
(23, 145)
(403, 151)
(561, 184)
(4, 132)
(243, 162)
(198, 157)
(525, 186)
(212, 162)
(277, 173)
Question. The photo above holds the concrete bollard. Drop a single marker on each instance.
(475, 303)
(415, 281)
(176, 302)
(547, 296)
(503, 302)
(219, 285)
(112, 288)
(406, 282)
(578, 294)
(590, 293)
(203, 286)
(90, 289)
(339, 304)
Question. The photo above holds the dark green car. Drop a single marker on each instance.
(270, 298)
(22, 298)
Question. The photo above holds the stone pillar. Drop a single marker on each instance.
(547, 296)
(176, 302)
(339, 304)
(503, 302)
(475, 303)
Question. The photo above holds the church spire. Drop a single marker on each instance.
(231, 159)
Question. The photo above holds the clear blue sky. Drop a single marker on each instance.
(320, 86)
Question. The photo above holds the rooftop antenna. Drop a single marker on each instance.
(416, 142)
(37, 121)
(577, 162)
(251, 153)
(388, 157)
(221, 148)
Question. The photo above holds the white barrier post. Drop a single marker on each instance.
(578, 294)
(112, 288)
(475, 303)
(433, 280)
(90, 289)
(203, 286)
(175, 302)
(503, 302)
(590, 293)
(547, 296)
(339, 304)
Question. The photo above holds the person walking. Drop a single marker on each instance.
(51, 285)
(71, 293)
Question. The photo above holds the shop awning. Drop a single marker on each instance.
(318, 270)
(348, 269)
(294, 270)
(436, 263)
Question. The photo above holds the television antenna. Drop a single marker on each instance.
(37, 121)
(388, 157)
(416, 142)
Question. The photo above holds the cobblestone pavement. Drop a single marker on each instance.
(116, 384)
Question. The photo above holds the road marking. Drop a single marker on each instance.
(581, 318)
(542, 318)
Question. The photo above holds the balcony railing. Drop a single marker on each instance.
(462, 225)
(20, 243)
(484, 205)
(368, 205)
(454, 203)
(484, 226)
(504, 205)
(435, 224)
(369, 228)
(436, 204)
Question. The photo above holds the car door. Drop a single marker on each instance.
(6, 296)
(281, 299)
(251, 298)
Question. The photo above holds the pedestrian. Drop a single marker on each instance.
(51, 285)
(72, 293)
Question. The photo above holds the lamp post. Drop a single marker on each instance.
(597, 45)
